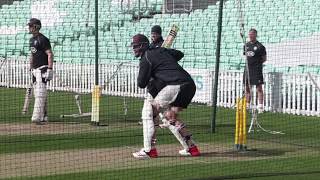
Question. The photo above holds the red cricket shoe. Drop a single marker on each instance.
(146, 155)
(194, 151)
(153, 153)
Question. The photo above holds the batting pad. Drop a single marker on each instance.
(148, 124)
(40, 96)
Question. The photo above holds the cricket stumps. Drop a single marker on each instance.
(96, 94)
(241, 125)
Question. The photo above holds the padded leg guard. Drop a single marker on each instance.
(176, 132)
(40, 96)
(148, 125)
(177, 128)
(45, 116)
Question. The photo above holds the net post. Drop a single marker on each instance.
(216, 72)
(96, 93)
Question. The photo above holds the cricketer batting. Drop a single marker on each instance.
(171, 90)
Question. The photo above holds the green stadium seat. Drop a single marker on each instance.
(2, 51)
(197, 36)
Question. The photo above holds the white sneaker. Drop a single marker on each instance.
(184, 152)
(145, 155)
(141, 154)
(39, 122)
(35, 121)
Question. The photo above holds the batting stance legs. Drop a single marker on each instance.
(169, 102)
(40, 94)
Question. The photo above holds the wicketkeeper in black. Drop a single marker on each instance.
(41, 64)
(256, 55)
(171, 90)
(156, 37)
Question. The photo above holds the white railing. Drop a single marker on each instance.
(287, 93)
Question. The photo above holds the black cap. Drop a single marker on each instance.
(156, 29)
(139, 39)
(34, 22)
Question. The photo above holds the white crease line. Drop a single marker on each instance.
(128, 147)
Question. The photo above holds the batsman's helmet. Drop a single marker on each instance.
(140, 43)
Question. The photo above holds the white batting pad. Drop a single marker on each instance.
(148, 124)
(40, 96)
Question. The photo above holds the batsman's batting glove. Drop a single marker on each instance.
(49, 75)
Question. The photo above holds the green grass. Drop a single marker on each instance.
(301, 132)
(309, 176)
(64, 103)
(112, 113)
(212, 170)
(37, 143)
(111, 108)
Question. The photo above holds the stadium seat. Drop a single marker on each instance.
(74, 29)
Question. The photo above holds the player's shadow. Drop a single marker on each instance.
(248, 153)
(251, 153)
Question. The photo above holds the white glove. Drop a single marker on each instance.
(49, 75)
(165, 122)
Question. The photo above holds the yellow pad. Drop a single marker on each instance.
(96, 94)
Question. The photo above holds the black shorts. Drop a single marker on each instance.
(256, 76)
(34, 80)
(185, 95)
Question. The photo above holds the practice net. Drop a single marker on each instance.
(281, 139)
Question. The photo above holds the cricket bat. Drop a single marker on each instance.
(27, 99)
(171, 36)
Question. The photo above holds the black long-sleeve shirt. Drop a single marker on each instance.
(159, 67)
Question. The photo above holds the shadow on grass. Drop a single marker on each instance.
(254, 153)
(262, 175)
